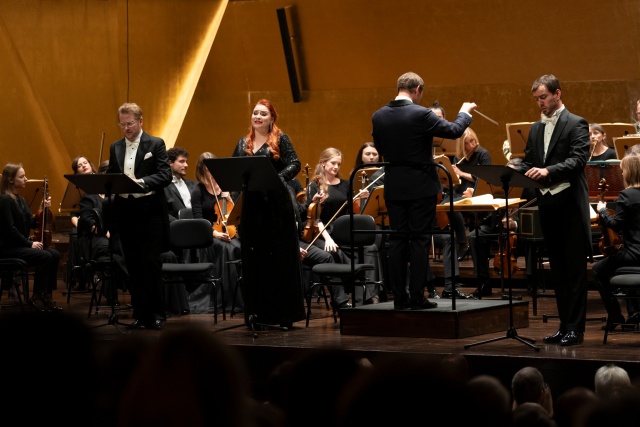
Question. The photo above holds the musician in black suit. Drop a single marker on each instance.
(178, 194)
(555, 155)
(403, 132)
(142, 219)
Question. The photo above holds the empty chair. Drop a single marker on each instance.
(186, 236)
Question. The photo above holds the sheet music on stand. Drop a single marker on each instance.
(610, 171)
(444, 146)
(444, 179)
(623, 143)
(517, 134)
(376, 206)
(33, 193)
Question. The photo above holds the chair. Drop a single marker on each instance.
(351, 274)
(627, 280)
(186, 236)
(13, 274)
(185, 213)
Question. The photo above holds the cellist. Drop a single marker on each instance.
(625, 221)
(16, 223)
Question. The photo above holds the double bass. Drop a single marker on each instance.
(43, 220)
(610, 241)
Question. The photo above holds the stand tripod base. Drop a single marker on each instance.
(253, 323)
(511, 333)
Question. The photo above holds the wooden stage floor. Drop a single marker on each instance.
(501, 356)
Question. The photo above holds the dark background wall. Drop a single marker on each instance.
(197, 67)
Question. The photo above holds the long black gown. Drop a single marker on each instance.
(272, 281)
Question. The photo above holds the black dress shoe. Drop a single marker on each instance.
(37, 302)
(156, 324)
(555, 338)
(460, 295)
(137, 324)
(423, 304)
(463, 253)
(185, 311)
(343, 304)
(572, 338)
(484, 290)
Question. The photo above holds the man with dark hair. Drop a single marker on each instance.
(555, 156)
(403, 132)
(178, 193)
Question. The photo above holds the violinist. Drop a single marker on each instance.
(626, 222)
(332, 194)
(207, 200)
(468, 152)
(16, 222)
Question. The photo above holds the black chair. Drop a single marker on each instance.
(14, 273)
(187, 236)
(185, 213)
(352, 274)
(627, 281)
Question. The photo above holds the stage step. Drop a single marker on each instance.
(470, 318)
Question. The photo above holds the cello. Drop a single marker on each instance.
(43, 220)
(610, 241)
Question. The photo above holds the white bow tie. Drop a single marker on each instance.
(553, 119)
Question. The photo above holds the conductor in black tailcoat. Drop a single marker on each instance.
(555, 155)
(142, 219)
(403, 133)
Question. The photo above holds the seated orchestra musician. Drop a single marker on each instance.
(209, 201)
(331, 193)
(625, 220)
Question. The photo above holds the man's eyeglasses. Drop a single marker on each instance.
(128, 124)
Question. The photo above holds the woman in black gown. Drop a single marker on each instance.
(272, 272)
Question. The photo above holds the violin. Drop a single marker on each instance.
(311, 229)
(43, 220)
(222, 209)
(357, 204)
(610, 241)
(302, 196)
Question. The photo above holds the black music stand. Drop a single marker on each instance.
(109, 184)
(71, 199)
(272, 290)
(496, 175)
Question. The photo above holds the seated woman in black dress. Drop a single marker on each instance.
(16, 223)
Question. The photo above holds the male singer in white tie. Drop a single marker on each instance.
(555, 156)
(142, 219)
